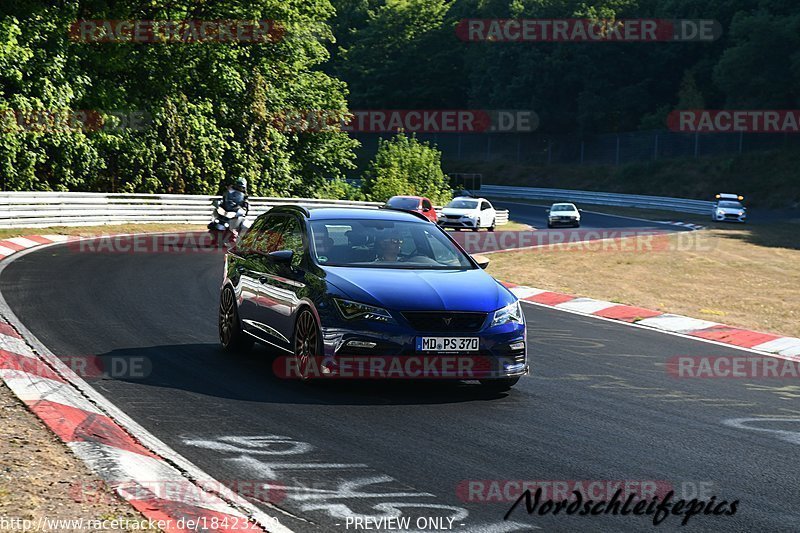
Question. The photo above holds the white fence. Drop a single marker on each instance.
(682, 205)
(43, 209)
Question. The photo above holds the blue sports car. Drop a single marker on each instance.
(342, 285)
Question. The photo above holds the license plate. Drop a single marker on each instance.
(448, 344)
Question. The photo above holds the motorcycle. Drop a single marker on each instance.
(226, 226)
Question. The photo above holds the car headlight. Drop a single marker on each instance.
(512, 313)
(720, 212)
(351, 310)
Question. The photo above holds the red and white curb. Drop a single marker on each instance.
(157, 481)
(768, 343)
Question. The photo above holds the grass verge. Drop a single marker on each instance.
(88, 231)
(747, 277)
(41, 479)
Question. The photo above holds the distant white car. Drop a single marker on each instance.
(728, 207)
(468, 213)
(563, 214)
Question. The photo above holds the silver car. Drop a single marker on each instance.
(728, 208)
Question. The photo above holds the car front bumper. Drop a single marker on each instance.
(729, 217)
(458, 222)
(502, 351)
(563, 222)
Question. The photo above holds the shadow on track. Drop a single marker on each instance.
(208, 370)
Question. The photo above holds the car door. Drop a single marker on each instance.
(427, 210)
(282, 284)
(243, 271)
(264, 237)
(487, 213)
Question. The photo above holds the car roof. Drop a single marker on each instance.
(564, 203)
(468, 198)
(334, 213)
(408, 196)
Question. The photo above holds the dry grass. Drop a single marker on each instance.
(41, 478)
(748, 277)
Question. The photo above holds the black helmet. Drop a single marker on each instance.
(240, 184)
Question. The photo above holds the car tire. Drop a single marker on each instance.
(494, 224)
(306, 342)
(231, 335)
(577, 224)
(498, 385)
(549, 226)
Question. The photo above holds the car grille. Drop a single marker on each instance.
(445, 321)
(453, 217)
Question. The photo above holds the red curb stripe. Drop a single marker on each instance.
(736, 336)
(39, 239)
(6, 329)
(12, 246)
(508, 284)
(76, 425)
(627, 313)
(29, 365)
(172, 511)
(550, 298)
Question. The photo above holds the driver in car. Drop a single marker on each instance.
(388, 248)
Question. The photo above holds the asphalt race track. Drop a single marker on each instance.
(599, 406)
(536, 216)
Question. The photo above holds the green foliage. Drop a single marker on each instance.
(405, 166)
(212, 106)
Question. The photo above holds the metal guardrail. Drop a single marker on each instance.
(43, 209)
(682, 205)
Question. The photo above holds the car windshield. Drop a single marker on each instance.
(385, 244)
(729, 203)
(562, 207)
(463, 204)
(401, 202)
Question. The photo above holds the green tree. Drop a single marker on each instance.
(405, 166)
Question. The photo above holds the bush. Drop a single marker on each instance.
(405, 166)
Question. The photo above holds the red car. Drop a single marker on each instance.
(418, 204)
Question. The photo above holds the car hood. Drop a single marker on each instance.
(735, 210)
(454, 211)
(421, 290)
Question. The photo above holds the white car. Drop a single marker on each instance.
(563, 214)
(469, 213)
(728, 207)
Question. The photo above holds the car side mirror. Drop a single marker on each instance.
(580, 210)
(281, 256)
(426, 209)
(482, 261)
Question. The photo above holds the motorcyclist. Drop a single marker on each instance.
(236, 196)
